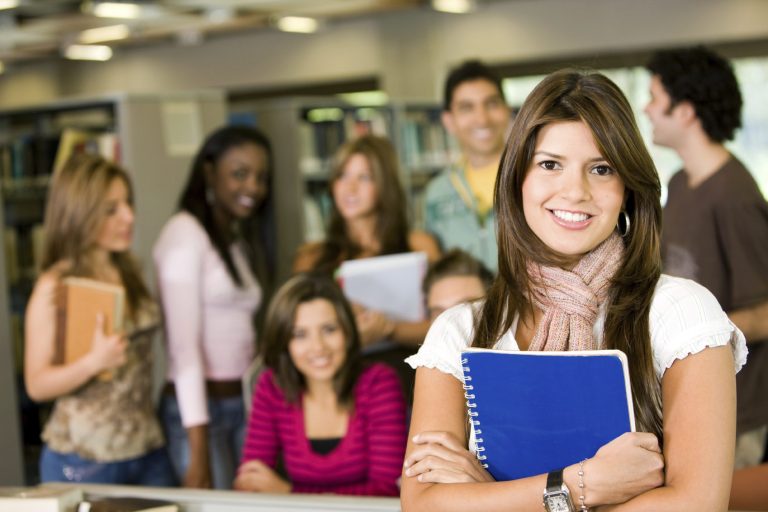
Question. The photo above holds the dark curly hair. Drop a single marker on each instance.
(705, 79)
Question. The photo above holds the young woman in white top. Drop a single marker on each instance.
(577, 203)
(209, 295)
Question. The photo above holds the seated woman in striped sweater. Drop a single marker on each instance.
(339, 426)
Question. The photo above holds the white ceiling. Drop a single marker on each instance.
(40, 29)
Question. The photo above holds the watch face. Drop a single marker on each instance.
(558, 502)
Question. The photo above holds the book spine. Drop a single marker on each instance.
(474, 418)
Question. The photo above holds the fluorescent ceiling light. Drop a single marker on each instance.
(88, 52)
(365, 99)
(101, 34)
(297, 24)
(454, 6)
(116, 10)
(8, 4)
(323, 114)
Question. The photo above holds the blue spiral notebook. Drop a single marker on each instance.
(535, 412)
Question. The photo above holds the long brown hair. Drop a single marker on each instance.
(278, 332)
(593, 99)
(255, 232)
(74, 215)
(391, 217)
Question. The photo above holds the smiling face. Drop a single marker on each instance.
(318, 343)
(116, 232)
(479, 119)
(354, 189)
(571, 195)
(239, 181)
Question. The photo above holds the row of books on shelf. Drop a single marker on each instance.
(29, 157)
(425, 142)
(23, 257)
(422, 141)
(319, 139)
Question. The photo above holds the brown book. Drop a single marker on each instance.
(81, 301)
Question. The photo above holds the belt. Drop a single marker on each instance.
(214, 388)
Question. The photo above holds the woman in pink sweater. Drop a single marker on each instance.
(340, 427)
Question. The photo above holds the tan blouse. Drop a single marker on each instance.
(112, 420)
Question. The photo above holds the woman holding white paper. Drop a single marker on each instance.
(101, 430)
(368, 218)
(577, 202)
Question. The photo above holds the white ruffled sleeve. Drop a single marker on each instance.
(449, 334)
(686, 318)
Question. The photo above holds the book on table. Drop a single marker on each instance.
(81, 300)
(535, 412)
(126, 504)
(39, 499)
(389, 284)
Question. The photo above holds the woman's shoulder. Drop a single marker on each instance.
(375, 374)
(267, 384)
(183, 225)
(49, 280)
(182, 230)
(421, 241)
(684, 319)
(449, 334)
(307, 256)
(377, 382)
(675, 292)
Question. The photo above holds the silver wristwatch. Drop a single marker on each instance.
(556, 495)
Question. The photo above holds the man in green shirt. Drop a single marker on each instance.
(459, 202)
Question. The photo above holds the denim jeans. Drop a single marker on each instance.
(226, 430)
(152, 469)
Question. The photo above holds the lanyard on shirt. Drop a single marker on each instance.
(466, 195)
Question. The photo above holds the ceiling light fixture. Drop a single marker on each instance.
(102, 34)
(116, 10)
(297, 24)
(8, 4)
(454, 6)
(88, 52)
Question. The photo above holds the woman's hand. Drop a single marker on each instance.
(439, 457)
(628, 466)
(255, 476)
(373, 326)
(198, 476)
(107, 352)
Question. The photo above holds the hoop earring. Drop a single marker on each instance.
(627, 224)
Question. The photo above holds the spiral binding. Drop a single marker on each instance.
(472, 413)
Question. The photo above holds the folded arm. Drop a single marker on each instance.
(699, 395)
(622, 469)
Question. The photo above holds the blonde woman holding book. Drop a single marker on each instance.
(101, 430)
(577, 203)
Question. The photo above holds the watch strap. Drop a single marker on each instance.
(555, 480)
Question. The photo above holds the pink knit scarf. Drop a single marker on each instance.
(571, 299)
